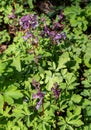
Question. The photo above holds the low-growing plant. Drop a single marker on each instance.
(45, 67)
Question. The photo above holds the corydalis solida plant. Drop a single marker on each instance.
(53, 32)
(39, 95)
(55, 90)
(28, 21)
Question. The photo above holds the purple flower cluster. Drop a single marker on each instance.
(45, 32)
(56, 91)
(39, 95)
(54, 33)
(28, 21)
(28, 24)
(56, 37)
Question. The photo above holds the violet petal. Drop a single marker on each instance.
(39, 104)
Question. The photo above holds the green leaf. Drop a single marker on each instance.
(88, 111)
(1, 103)
(70, 127)
(87, 56)
(19, 8)
(61, 121)
(63, 59)
(70, 80)
(77, 110)
(86, 93)
(6, 111)
(4, 36)
(51, 79)
(18, 112)
(12, 92)
(30, 2)
(87, 60)
(2, 66)
(76, 98)
(86, 103)
(63, 127)
(76, 123)
(8, 99)
(72, 11)
(17, 63)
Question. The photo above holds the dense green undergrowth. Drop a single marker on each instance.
(45, 65)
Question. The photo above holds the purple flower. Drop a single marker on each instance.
(27, 36)
(25, 22)
(39, 95)
(39, 104)
(52, 33)
(36, 85)
(45, 32)
(55, 36)
(35, 41)
(34, 21)
(56, 91)
(56, 26)
(28, 21)
(12, 15)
